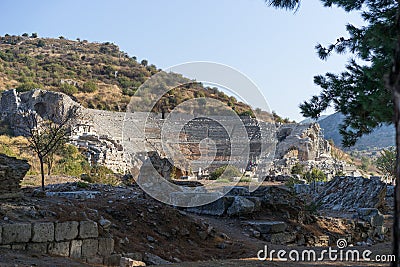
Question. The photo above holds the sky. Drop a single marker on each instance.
(273, 48)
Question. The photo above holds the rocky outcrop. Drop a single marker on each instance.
(352, 193)
(12, 171)
(47, 105)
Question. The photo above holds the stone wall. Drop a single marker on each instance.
(79, 240)
(12, 171)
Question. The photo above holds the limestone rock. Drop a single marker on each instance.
(16, 233)
(152, 259)
(43, 232)
(12, 171)
(66, 231)
(240, 206)
(88, 229)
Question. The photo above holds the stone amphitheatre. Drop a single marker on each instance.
(103, 225)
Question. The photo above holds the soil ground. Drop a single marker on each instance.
(141, 224)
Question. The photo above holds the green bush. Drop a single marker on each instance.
(71, 162)
(101, 175)
(27, 86)
(298, 168)
(291, 182)
(225, 172)
(89, 87)
(68, 89)
(315, 175)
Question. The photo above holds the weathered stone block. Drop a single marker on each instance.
(240, 206)
(89, 247)
(76, 249)
(215, 208)
(18, 246)
(59, 249)
(66, 231)
(43, 232)
(88, 229)
(16, 233)
(267, 227)
(106, 246)
(37, 247)
(236, 191)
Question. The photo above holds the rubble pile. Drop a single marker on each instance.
(12, 171)
(352, 193)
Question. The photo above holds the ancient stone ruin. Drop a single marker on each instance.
(352, 193)
(12, 171)
(120, 141)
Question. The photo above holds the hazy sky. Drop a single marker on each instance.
(274, 48)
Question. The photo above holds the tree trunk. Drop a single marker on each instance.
(50, 161)
(42, 171)
(394, 85)
(396, 232)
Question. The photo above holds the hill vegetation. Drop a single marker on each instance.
(97, 75)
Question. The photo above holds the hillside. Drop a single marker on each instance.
(97, 75)
(380, 138)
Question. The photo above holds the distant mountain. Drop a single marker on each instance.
(312, 120)
(380, 138)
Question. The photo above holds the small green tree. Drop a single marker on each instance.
(144, 62)
(365, 163)
(40, 43)
(386, 162)
(315, 175)
(298, 168)
(46, 135)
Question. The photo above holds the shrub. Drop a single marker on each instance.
(27, 86)
(68, 89)
(101, 175)
(298, 168)
(40, 43)
(89, 87)
(225, 172)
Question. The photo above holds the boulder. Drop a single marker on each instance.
(240, 206)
